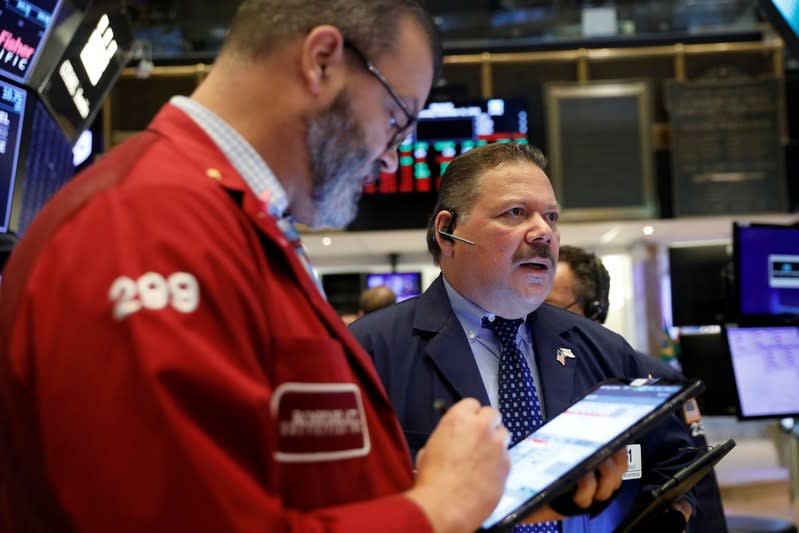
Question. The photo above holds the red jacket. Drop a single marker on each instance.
(167, 364)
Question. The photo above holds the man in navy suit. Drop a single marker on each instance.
(494, 235)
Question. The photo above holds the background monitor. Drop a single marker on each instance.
(45, 165)
(12, 117)
(343, 290)
(700, 278)
(766, 259)
(404, 284)
(703, 355)
(85, 55)
(7, 243)
(784, 16)
(24, 28)
(405, 199)
(765, 362)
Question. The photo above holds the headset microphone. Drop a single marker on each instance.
(597, 308)
(447, 235)
(450, 236)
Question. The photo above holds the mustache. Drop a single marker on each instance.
(535, 251)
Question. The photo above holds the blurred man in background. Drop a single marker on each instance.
(375, 298)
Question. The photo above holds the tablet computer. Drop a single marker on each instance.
(550, 460)
(649, 503)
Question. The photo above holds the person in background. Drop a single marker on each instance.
(375, 298)
(494, 234)
(582, 285)
(371, 299)
(167, 359)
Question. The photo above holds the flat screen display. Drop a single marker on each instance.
(24, 26)
(767, 273)
(404, 284)
(446, 130)
(405, 199)
(87, 68)
(784, 16)
(765, 362)
(704, 355)
(12, 114)
(700, 276)
(44, 167)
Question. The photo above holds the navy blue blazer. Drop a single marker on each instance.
(422, 354)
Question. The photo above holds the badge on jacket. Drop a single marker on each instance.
(562, 354)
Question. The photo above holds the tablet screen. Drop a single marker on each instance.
(575, 436)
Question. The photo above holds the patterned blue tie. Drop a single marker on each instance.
(518, 401)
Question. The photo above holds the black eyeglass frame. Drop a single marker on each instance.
(400, 132)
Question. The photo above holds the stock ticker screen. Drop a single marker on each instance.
(23, 29)
(12, 110)
(405, 199)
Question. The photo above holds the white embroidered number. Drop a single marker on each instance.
(123, 292)
(152, 291)
(185, 292)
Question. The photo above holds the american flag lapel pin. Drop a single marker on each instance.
(562, 354)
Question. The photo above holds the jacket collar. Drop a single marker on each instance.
(449, 349)
(210, 162)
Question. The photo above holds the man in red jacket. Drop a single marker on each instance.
(167, 362)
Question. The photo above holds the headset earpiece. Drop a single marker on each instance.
(597, 308)
(446, 234)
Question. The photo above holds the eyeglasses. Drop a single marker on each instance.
(400, 131)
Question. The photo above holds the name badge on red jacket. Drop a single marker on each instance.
(319, 422)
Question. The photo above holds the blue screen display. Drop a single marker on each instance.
(790, 12)
(12, 111)
(24, 26)
(404, 284)
(767, 270)
(784, 16)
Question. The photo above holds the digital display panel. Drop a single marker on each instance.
(405, 199)
(24, 26)
(767, 273)
(448, 129)
(765, 362)
(45, 165)
(87, 69)
(12, 111)
(404, 284)
(784, 15)
(703, 355)
(700, 285)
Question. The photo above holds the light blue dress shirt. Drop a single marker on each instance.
(485, 344)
